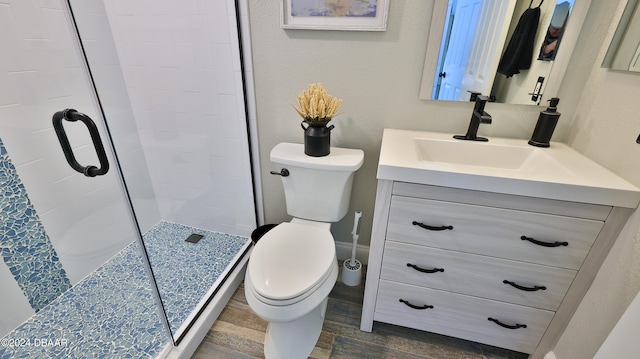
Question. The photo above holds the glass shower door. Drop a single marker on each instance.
(169, 77)
(72, 277)
(175, 169)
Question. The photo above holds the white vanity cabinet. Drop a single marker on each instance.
(502, 269)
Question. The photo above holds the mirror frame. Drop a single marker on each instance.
(561, 62)
(626, 20)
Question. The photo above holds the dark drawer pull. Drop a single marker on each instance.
(431, 228)
(544, 244)
(416, 306)
(528, 289)
(517, 326)
(434, 270)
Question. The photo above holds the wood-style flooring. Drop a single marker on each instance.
(239, 333)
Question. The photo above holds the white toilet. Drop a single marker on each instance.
(293, 267)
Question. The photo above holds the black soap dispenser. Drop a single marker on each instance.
(546, 124)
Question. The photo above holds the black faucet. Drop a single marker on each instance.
(477, 117)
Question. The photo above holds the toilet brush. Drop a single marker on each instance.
(352, 268)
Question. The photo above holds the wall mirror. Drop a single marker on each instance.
(624, 49)
(470, 41)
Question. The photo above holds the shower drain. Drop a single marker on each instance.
(194, 238)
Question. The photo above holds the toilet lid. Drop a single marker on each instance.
(290, 259)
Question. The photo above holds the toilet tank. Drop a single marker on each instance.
(317, 188)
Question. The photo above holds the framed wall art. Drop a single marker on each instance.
(356, 15)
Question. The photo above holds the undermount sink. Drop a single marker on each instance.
(485, 154)
(502, 165)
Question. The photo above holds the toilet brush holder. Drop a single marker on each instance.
(351, 272)
(352, 268)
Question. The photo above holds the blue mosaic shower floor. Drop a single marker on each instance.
(112, 312)
(109, 314)
(184, 271)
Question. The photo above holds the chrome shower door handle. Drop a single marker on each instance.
(73, 115)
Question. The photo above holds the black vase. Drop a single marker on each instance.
(317, 138)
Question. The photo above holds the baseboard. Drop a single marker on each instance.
(550, 355)
(343, 251)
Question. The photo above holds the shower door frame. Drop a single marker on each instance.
(235, 273)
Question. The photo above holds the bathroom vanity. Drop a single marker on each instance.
(493, 242)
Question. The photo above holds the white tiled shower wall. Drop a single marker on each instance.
(97, 39)
(181, 65)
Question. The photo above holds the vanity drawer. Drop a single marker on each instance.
(561, 241)
(461, 316)
(476, 275)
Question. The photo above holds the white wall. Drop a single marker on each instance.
(623, 342)
(181, 64)
(13, 298)
(605, 129)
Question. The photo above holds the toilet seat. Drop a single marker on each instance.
(290, 262)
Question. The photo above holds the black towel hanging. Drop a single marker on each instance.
(519, 51)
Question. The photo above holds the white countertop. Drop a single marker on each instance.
(556, 172)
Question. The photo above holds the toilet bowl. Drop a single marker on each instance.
(293, 267)
(287, 283)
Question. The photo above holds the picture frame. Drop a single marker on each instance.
(353, 15)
